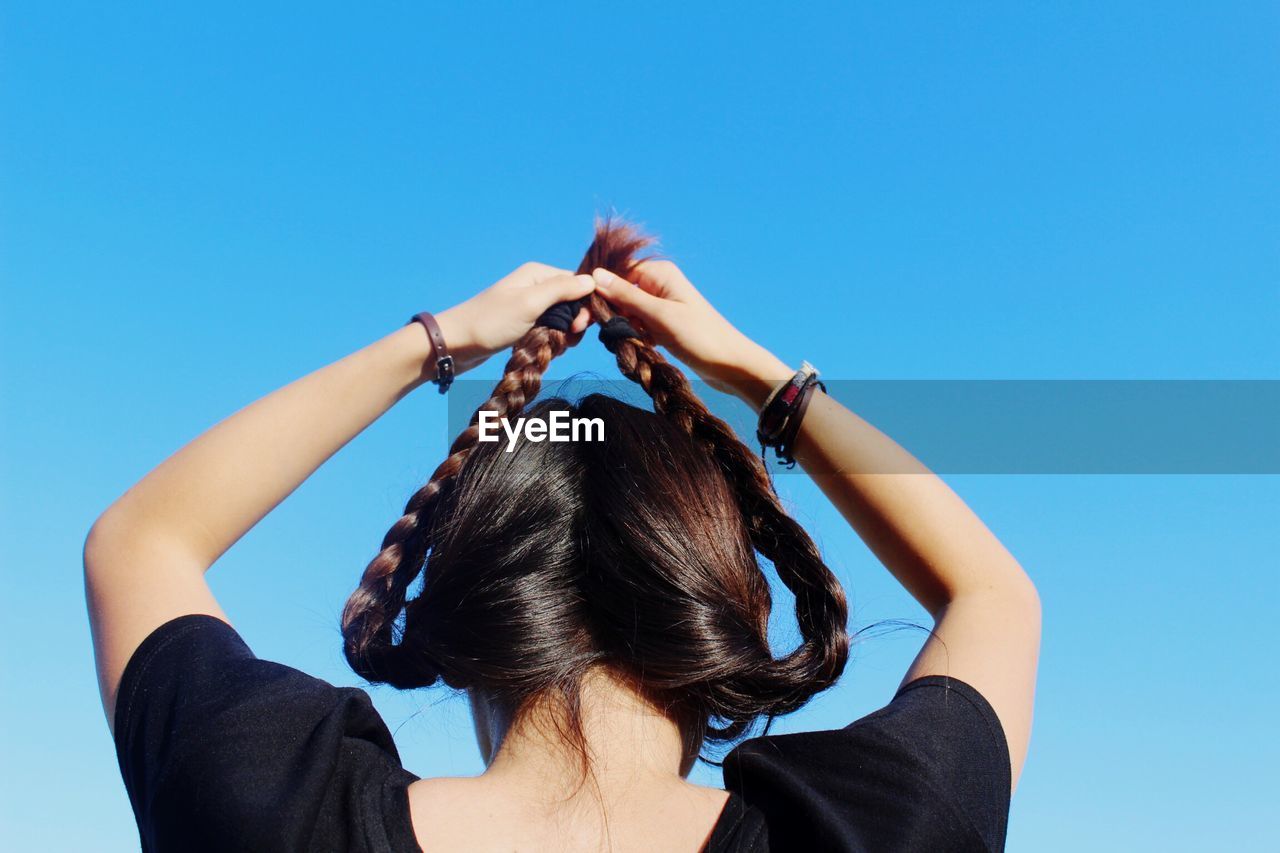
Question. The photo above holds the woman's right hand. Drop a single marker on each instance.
(676, 316)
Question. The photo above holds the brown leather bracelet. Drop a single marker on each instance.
(444, 361)
(781, 403)
(785, 448)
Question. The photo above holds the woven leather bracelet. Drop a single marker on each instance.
(782, 412)
(780, 404)
(444, 361)
(787, 441)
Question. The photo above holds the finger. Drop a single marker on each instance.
(580, 322)
(536, 273)
(664, 279)
(628, 298)
(563, 288)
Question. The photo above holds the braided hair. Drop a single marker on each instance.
(638, 553)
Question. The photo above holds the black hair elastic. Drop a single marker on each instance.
(560, 316)
(614, 331)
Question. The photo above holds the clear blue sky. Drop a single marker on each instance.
(199, 205)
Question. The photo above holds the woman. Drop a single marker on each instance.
(601, 603)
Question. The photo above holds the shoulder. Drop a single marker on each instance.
(214, 742)
(933, 763)
(196, 676)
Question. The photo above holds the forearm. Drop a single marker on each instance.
(927, 537)
(212, 491)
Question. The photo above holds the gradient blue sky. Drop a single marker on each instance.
(199, 205)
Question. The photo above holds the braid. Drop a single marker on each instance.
(368, 620)
(821, 609)
(777, 686)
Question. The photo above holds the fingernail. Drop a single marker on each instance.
(602, 276)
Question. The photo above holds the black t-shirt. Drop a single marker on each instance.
(221, 750)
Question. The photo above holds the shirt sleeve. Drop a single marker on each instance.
(929, 771)
(220, 750)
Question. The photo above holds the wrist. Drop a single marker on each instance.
(756, 375)
(415, 356)
(459, 340)
(418, 353)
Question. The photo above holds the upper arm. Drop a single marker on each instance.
(992, 641)
(134, 583)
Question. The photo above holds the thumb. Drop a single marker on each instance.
(564, 288)
(630, 299)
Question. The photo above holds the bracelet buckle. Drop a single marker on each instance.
(444, 373)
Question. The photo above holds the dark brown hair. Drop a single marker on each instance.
(639, 552)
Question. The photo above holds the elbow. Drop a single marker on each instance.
(101, 542)
(1022, 600)
(1034, 609)
(1019, 592)
(94, 548)
(1013, 595)
(1015, 585)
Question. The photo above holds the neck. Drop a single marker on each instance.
(629, 743)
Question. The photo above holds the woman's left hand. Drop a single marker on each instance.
(497, 317)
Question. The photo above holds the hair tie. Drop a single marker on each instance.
(615, 330)
(560, 316)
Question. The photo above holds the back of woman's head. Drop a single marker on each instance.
(638, 552)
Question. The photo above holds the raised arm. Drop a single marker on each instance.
(985, 608)
(145, 556)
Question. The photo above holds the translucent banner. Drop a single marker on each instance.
(1013, 426)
